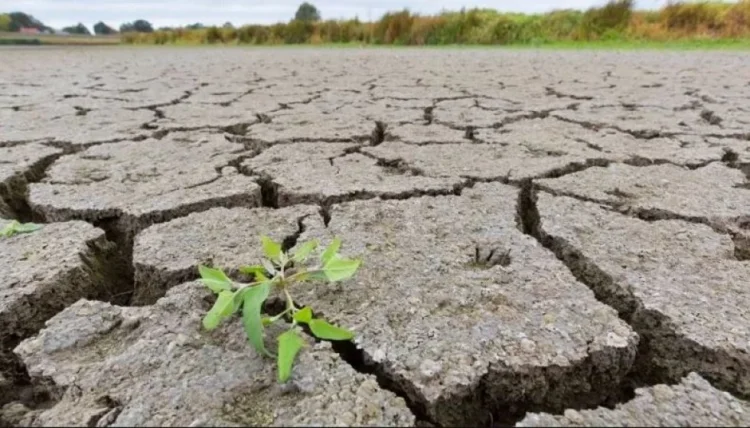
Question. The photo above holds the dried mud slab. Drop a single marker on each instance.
(554, 135)
(711, 193)
(677, 283)
(239, 112)
(128, 186)
(715, 194)
(43, 272)
(167, 254)
(290, 154)
(641, 121)
(309, 126)
(189, 116)
(389, 112)
(340, 177)
(692, 402)
(20, 164)
(484, 161)
(155, 366)
(393, 90)
(463, 113)
(71, 127)
(468, 318)
(425, 134)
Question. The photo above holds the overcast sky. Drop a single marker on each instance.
(60, 13)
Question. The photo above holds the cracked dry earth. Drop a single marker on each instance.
(549, 238)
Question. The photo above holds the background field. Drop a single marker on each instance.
(616, 24)
(9, 38)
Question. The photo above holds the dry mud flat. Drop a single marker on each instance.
(549, 238)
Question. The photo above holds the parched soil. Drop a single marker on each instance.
(549, 238)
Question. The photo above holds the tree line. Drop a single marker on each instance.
(615, 20)
(15, 21)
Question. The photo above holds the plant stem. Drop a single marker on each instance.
(289, 301)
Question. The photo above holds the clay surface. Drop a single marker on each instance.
(692, 402)
(541, 232)
(43, 272)
(677, 283)
(154, 366)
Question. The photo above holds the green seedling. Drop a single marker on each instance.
(15, 227)
(277, 272)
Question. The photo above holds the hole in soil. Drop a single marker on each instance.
(269, 192)
(378, 134)
(487, 256)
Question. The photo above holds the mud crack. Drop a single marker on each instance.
(659, 339)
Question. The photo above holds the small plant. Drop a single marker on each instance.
(15, 227)
(278, 271)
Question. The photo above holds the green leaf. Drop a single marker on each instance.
(9, 228)
(271, 249)
(215, 279)
(256, 270)
(322, 330)
(304, 315)
(237, 298)
(304, 250)
(222, 309)
(338, 269)
(13, 227)
(251, 319)
(308, 275)
(290, 344)
(330, 251)
(28, 227)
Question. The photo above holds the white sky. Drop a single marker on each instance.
(60, 13)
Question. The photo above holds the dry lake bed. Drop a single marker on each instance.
(548, 237)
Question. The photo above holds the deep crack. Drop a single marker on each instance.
(658, 337)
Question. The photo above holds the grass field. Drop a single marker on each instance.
(50, 39)
(694, 44)
(703, 44)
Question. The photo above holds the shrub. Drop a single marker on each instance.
(615, 15)
(693, 17)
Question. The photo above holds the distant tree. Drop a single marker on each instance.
(307, 12)
(143, 26)
(5, 22)
(20, 20)
(100, 28)
(77, 29)
(228, 25)
(196, 26)
(137, 26)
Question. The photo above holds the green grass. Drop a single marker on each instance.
(51, 39)
(686, 44)
(697, 44)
